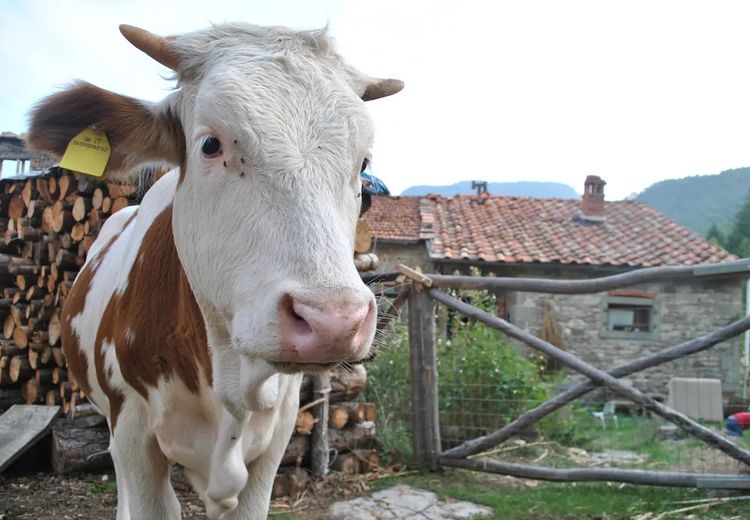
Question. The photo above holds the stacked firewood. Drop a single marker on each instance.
(47, 224)
(351, 431)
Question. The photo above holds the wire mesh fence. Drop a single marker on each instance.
(486, 381)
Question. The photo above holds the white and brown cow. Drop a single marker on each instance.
(197, 311)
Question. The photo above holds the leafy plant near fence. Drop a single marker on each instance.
(484, 382)
(388, 386)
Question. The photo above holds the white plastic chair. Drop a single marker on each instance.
(607, 411)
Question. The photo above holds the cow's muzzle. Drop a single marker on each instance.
(340, 330)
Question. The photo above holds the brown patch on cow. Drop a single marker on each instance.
(135, 131)
(77, 363)
(74, 304)
(155, 323)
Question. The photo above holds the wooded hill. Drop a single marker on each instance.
(698, 202)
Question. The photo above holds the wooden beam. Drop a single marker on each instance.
(569, 360)
(414, 275)
(617, 281)
(319, 455)
(630, 476)
(21, 427)
(424, 385)
(531, 417)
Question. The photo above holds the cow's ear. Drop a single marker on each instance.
(138, 131)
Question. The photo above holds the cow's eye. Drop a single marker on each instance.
(365, 164)
(211, 147)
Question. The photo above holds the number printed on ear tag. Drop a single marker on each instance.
(88, 153)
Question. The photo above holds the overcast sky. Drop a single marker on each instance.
(634, 91)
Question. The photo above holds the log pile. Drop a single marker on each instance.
(351, 431)
(47, 225)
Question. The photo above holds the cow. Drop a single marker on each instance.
(197, 312)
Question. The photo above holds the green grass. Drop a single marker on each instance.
(594, 500)
(552, 501)
(512, 499)
(101, 487)
(640, 435)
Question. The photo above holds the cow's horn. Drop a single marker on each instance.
(155, 46)
(379, 88)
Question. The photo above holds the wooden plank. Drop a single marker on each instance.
(414, 275)
(21, 427)
(424, 385)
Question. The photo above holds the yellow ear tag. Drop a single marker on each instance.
(88, 153)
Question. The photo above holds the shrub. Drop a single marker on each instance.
(485, 382)
(388, 386)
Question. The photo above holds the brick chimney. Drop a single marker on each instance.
(592, 203)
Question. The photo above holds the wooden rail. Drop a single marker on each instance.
(598, 376)
(425, 425)
(628, 476)
(594, 285)
(531, 417)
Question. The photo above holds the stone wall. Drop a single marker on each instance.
(390, 254)
(683, 311)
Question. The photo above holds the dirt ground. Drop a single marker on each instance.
(45, 496)
(52, 497)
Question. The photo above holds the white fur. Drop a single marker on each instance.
(279, 218)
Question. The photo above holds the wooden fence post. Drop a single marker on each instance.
(320, 454)
(424, 388)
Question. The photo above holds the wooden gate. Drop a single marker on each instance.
(425, 291)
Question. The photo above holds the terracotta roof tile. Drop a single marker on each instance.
(520, 229)
(395, 218)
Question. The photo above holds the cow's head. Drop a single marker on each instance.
(270, 130)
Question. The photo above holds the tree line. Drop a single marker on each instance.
(735, 237)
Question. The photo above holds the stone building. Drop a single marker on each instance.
(579, 239)
(398, 234)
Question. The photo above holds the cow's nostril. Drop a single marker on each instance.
(296, 316)
(295, 319)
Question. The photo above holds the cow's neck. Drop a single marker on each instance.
(157, 326)
(160, 300)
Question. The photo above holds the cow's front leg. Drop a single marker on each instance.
(142, 470)
(255, 497)
(227, 473)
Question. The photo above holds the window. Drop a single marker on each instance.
(629, 318)
(633, 318)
